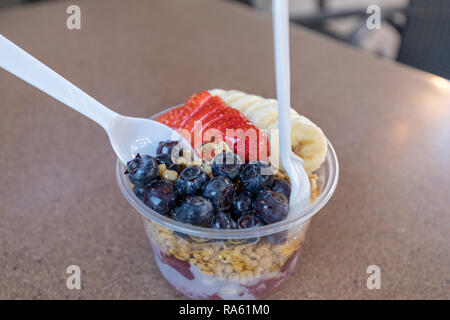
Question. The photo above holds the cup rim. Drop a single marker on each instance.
(328, 189)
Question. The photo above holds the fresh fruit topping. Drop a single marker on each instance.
(282, 187)
(139, 192)
(160, 196)
(223, 220)
(242, 204)
(191, 181)
(237, 196)
(142, 170)
(174, 117)
(256, 175)
(166, 159)
(197, 211)
(181, 196)
(248, 221)
(134, 165)
(167, 147)
(271, 206)
(220, 191)
(227, 164)
(237, 131)
(308, 140)
(233, 224)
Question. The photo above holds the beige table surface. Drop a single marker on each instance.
(59, 202)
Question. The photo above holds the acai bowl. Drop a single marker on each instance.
(223, 260)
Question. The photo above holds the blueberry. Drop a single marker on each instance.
(248, 221)
(142, 170)
(271, 206)
(223, 220)
(233, 224)
(197, 211)
(180, 194)
(134, 165)
(256, 175)
(227, 164)
(282, 187)
(160, 196)
(167, 147)
(191, 180)
(242, 204)
(166, 159)
(139, 192)
(220, 191)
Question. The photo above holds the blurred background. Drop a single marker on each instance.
(413, 32)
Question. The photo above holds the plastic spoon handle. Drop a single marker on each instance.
(282, 67)
(31, 70)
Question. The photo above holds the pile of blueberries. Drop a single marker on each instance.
(239, 196)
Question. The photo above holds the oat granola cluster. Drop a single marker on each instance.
(223, 258)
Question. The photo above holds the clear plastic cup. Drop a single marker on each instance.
(205, 263)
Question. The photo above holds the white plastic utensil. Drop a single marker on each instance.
(128, 135)
(300, 185)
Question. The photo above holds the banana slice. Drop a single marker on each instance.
(242, 103)
(307, 139)
(232, 95)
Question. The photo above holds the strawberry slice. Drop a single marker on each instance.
(175, 117)
(204, 112)
(213, 113)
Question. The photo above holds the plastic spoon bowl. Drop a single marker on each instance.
(300, 185)
(128, 135)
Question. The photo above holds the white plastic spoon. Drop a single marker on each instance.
(300, 185)
(128, 135)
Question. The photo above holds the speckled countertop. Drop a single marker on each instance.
(60, 204)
